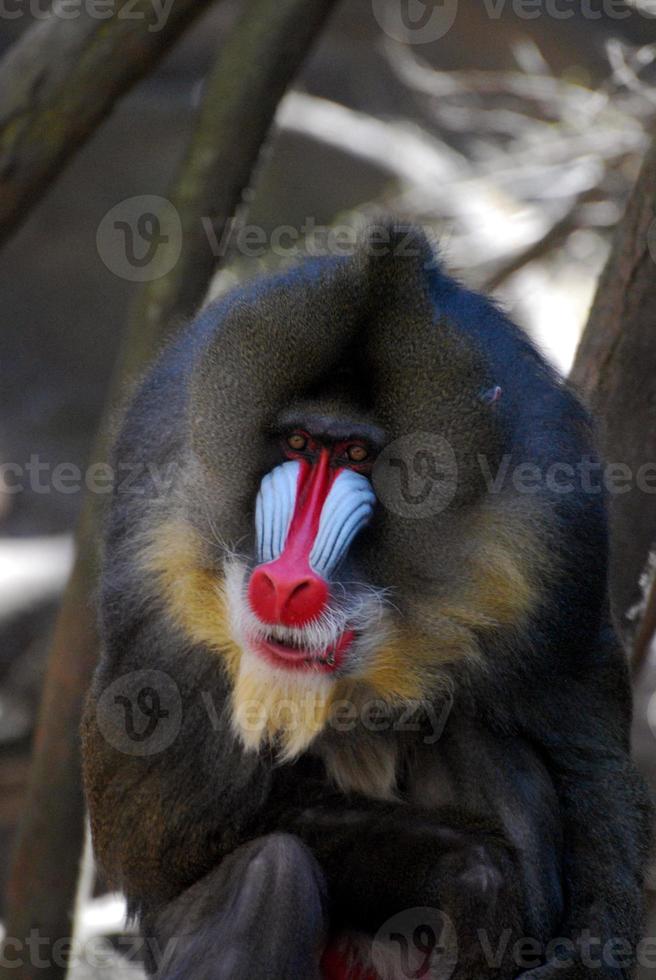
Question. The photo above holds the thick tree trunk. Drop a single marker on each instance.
(615, 369)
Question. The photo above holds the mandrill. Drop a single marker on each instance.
(360, 711)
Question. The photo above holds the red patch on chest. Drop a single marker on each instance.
(336, 964)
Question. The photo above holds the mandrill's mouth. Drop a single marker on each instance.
(291, 653)
(340, 642)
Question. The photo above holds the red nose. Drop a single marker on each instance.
(286, 596)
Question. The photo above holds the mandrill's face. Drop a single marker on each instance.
(308, 512)
(303, 607)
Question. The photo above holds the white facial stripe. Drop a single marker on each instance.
(347, 509)
(274, 509)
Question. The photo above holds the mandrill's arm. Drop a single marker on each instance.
(169, 789)
(581, 727)
(380, 858)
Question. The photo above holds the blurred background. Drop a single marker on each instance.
(516, 139)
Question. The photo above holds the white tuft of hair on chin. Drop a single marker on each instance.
(286, 709)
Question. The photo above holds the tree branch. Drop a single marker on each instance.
(61, 78)
(241, 97)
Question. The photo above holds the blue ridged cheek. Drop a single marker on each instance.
(274, 509)
(349, 506)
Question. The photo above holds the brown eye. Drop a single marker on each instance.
(297, 442)
(357, 454)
